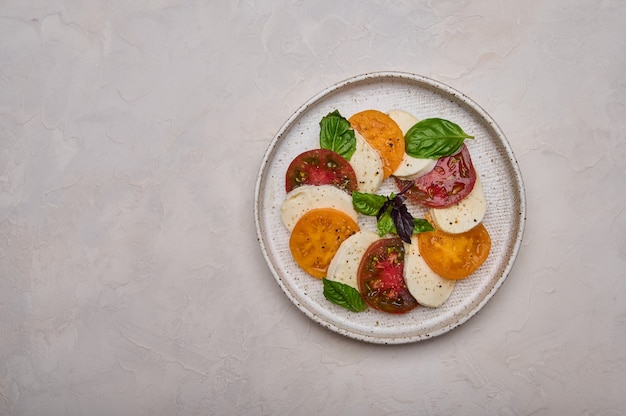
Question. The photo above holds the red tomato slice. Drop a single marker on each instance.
(451, 180)
(381, 277)
(321, 167)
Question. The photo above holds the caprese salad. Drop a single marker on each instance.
(406, 261)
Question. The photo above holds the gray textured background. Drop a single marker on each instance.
(131, 280)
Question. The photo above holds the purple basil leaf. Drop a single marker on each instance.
(399, 200)
(403, 221)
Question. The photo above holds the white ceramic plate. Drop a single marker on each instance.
(491, 155)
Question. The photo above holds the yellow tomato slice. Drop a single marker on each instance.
(455, 256)
(316, 237)
(383, 134)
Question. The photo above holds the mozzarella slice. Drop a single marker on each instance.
(427, 287)
(464, 215)
(307, 197)
(367, 165)
(344, 266)
(403, 119)
(410, 168)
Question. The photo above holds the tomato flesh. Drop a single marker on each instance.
(321, 167)
(451, 180)
(383, 134)
(316, 237)
(455, 256)
(381, 277)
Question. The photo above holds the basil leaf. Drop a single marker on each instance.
(385, 224)
(337, 135)
(385, 208)
(403, 221)
(343, 295)
(421, 225)
(433, 138)
(367, 204)
(392, 215)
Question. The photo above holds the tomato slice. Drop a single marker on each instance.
(451, 180)
(381, 277)
(317, 236)
(455, 256)
(383, 134)
(321, 167)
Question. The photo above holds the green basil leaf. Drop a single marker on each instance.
(421, 225)
(343, 295)
(337, 135)
(433, 138)
(367, 204)
(385, 224)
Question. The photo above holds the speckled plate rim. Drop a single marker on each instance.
(445, 90)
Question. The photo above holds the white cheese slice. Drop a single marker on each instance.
(344, 266)
(403, 119)
(367, 165)
(427, 287)
(307, 197)
(410, 168)
(464, 215)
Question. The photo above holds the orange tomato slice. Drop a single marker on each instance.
(316, 237)
(455, 256)
(383, 134)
